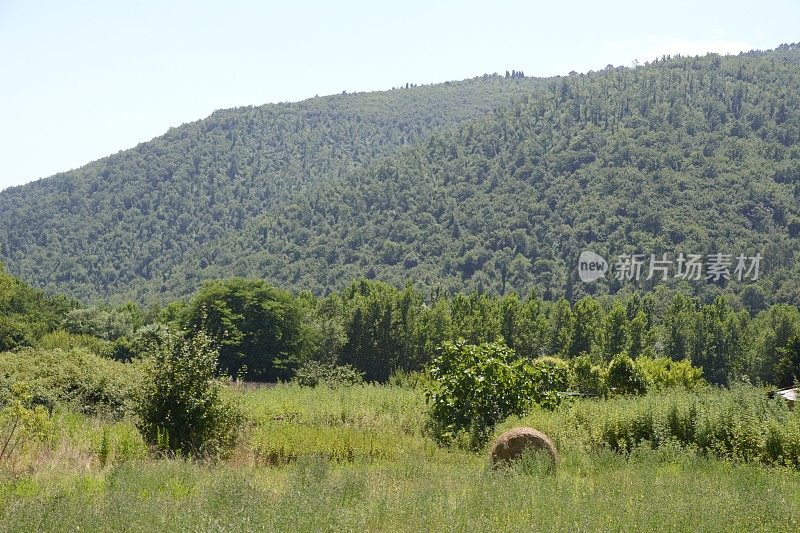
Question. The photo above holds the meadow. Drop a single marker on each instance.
(356, 458)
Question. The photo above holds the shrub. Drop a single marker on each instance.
(139, 344)
(314, 373)
(13, 334)
(180, 406)
(624, 377)
(588, 378)
(552, 374)
(64, 340)
(663, 372)
(21, 422)
(74, 377)
(476, 386)
(107, 325)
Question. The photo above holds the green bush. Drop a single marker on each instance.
(663, 372)
(64, 340)
(624, 377)
(74, 377)
(476, 386)
(140, 343)
(107, 325)
(13, 334)
(588, 378)
(314, 373)
(553, 374)
(21, 423)
(180, 406)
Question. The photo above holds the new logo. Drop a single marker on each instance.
(591, 266)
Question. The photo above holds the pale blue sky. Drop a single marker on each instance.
(83, 79)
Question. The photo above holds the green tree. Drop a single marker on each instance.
(477, 386)
(719, 341)
(679, 321)
(562, 328)
(624, 377)
(258, 328)
(616, 331)
(588, 320)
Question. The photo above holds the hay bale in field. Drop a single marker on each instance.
(513, 443)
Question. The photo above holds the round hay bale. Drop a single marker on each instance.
(510, 446)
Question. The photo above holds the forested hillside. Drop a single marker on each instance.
(493, 184)
(104, 229)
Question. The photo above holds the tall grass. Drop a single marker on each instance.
(355, 459)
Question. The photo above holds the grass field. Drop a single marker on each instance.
(356, 459)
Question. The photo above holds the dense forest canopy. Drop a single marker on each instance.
(494, 184)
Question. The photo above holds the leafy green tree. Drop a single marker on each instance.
(616, 332)
(258, 328)
(787, 369)
(477, 386)
(589, 378)
(13, 334)
(588, 327)
(524, 325)
(641, 336)
(773, 332)
(106, 324)
(719, 341)
(379, 329)
(679, 321)
(562, 328)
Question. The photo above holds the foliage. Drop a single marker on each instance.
(551, 374)
(476, 386)
(21, 423)
(379, 322)
(181, 405)
(314, 373)
(663, 372)
(26, 313)
(70, 377)
(106, 325)
(589, 378)
(140, 343)
(624, 376)
(258, 328)
(63, 340)
(13, 334)
(616, 332)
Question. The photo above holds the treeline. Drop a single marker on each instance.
(379, 329)
(266, 333)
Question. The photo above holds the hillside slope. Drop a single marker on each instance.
(107, 227)
(694, 155)
(684, 155)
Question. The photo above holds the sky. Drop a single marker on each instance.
(80, 80)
